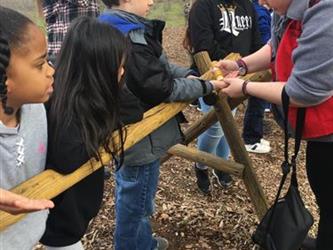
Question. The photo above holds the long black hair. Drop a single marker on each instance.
(13, 26)
(86, 87)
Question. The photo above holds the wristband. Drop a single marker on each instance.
(204, 87)
(242, 67)
(244, 85)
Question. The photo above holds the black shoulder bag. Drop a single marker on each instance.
(287, 222)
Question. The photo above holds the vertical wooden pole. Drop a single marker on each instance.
(224, 115)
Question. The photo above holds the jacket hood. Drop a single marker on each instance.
(123, 21)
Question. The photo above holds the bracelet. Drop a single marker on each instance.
(242, 66)
(244, 85)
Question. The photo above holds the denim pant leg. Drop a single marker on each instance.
(135, 193)
(253, 120)
(213, 139)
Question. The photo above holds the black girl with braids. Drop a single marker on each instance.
(84, 111)
(25, 82)
(10, 202)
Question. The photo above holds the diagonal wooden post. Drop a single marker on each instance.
(224, 115)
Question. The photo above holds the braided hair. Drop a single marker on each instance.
(4, 62)
(13, 27)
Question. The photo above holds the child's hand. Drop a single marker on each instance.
(15, 204)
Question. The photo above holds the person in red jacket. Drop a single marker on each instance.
(301, 48)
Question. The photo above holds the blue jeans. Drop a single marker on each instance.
(253, 120)
(136, 188)
(213, 140)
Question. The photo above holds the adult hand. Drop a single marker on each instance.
(218, 84)
(15, 204)
(227, 66)
(233, 87)
(221, 84)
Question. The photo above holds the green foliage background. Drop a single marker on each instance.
(170, 11)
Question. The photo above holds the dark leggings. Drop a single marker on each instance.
(319, 165)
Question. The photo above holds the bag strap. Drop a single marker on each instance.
(286, 165)
(298, 136)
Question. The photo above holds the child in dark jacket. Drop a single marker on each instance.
(220, 27)
(154, 80)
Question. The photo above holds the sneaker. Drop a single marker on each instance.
(223, 179)
(265, 142)
(162, 243)
(309, 243)
(202, 180)
(258, 148)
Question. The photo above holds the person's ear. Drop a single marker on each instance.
(8, 84)
(121, 72)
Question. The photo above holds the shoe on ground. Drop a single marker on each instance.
(264, 142)
(309, 243)
(162, 243)
(223, 179)
(258, 148)
(202, 180)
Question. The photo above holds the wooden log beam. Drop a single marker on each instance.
(207, 159)
(224, 115)
(49, 183)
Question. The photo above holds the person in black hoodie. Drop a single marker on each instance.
(153, 79)
(220, 27)
(89, 103)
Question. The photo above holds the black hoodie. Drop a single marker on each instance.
(210, 30)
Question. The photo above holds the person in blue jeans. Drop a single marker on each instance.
(153, 79)
(135, 194)
(216, 26)
(213, 141)
(254, 115)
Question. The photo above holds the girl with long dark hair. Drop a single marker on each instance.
(83, 114)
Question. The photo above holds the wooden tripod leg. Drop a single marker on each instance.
(223, 113)
(240, 155)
